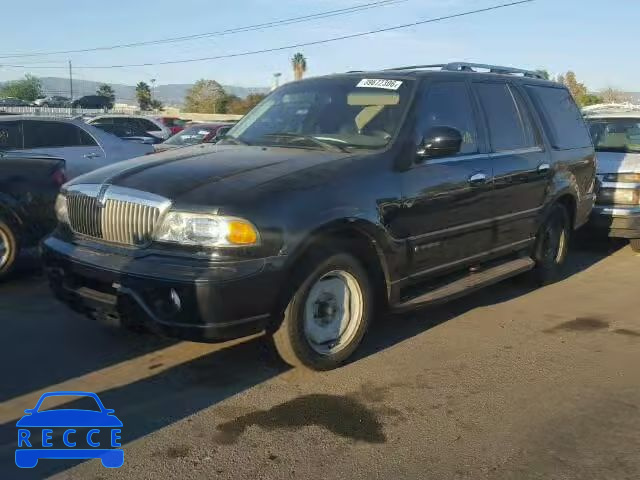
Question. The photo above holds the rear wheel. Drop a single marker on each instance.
(328, 314)
(552, 246)
(8, 249)
(635, 244)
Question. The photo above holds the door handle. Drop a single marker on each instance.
(544, 168)
(477, 178)
(91, 155)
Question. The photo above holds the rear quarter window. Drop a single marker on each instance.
(10, 136)
(562, 119)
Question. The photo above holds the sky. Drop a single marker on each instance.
(592, 38)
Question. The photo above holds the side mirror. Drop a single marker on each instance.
(440, 142)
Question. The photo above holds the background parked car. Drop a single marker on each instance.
(28, 188)
(127, 132)
(13, 102)
(174, 124)
(195, 134)
(83, 146)
(150, 125)
(615, 130)
(93, 101)
(55, 101)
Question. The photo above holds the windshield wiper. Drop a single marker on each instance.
(321, 143)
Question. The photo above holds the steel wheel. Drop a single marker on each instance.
(333, 311)
(554, 241)
(5, 248)
(8, 249)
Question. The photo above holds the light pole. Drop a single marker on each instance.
(153, 89)
(276, 80)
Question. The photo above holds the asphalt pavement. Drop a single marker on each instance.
(508, 383)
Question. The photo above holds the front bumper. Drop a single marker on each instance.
(618, 221)
(181, 297)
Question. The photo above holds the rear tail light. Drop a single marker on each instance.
(59, 177)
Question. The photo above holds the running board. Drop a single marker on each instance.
(467, 284)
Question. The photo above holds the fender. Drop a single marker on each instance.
(9, 210)
(389, 251)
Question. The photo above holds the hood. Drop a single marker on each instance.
(175, 173)
(618, 162)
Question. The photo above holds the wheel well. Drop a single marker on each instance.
(349, 240)
(568, 202)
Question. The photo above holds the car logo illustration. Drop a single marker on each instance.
(69, 434)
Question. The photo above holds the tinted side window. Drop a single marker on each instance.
(148, 125)
(449, 105)
(86, 139)
(531, 132)
(50, 134)
(10, 135)
(506, 128)
(563, 121)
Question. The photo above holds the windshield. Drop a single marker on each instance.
(190, 136)
(342, 113)
(615, 134)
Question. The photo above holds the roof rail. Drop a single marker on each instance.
(416, 67)
(471, 67)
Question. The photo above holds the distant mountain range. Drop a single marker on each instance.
(172, 94)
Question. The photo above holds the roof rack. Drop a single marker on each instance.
(472, 67)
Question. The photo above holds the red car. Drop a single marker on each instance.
(194, 134)
(175, 124)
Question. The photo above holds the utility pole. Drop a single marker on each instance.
(276, 80)
(70, 81)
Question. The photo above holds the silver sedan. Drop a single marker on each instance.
(83, 146)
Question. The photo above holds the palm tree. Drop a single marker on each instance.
(299, 64)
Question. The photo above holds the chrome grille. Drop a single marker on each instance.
(114, 214)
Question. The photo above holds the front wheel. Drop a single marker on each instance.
(552, 246)
(635, 244)
(328, 315)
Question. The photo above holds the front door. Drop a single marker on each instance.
(65, 140)
(446, 207)
(521, 166)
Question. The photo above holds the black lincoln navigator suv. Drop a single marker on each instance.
(334, 198)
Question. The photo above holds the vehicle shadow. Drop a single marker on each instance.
(393, 329)
(155, 402)
(47, 343)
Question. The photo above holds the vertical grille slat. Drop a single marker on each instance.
(122, 218)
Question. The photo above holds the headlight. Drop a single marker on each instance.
(62, 214)
(189, 228)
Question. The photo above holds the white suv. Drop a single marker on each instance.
(615, 130)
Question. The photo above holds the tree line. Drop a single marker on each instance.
(208, 96)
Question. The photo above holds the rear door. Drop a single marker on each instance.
(446, 208)
(65, 140)
(521, 165)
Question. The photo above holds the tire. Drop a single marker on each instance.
(552, 246)
(9, 248)
(635, 244)
(316, 312)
